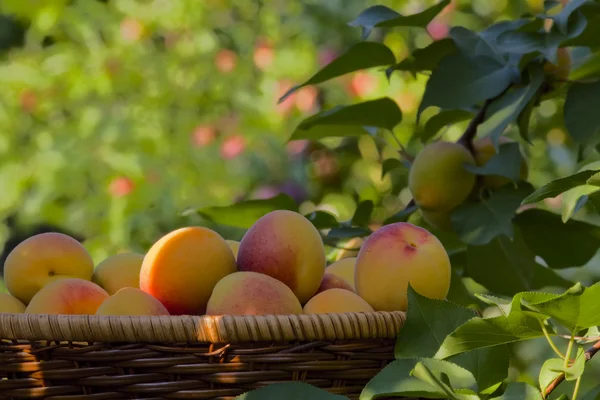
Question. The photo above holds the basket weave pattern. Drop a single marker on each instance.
(189, 357)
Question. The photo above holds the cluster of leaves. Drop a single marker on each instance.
(496, 77)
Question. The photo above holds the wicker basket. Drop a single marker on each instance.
(189, 357)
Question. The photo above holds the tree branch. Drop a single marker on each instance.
(588, 356)
(467, 137)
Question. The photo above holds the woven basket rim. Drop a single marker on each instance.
(202, 328)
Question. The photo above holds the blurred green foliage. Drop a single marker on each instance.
(118, 116)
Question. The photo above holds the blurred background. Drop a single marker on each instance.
(118, 116)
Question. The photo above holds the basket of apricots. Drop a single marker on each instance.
(199, 316)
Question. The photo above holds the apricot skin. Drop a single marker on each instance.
(395, 255)
(437, 179)
(67, 296)
(484, 151)
(131, 301)
(10, 304)
(119, 271)
(331, 281)
(343, 268)
(286, 246)
(336, 301)
(438, 220)
(43, 258)
(181, 269)
(350, 248)
(252, 293)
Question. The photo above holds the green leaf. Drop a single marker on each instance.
(472, 44)
(520, 391)
(350, 120)
(504, 304)
(576, 309)
(346, 233)
(362, 215)
(322, 219)
(574, 199)
(396, 380)
(549, 371)
(244, 214)
(545, 234)
(479, 223)
(524, 117)
(507, 267)
(507, 108)
(424, 59)
(481, 333)
(588, 69)
(582, 118)
(592, 394)
(447, 377)
(391, 164)
(558, 186)
(402, 215)
(506, 162)
(428, 322)
(554, 367)
(381, 16)
(290, 391)
(561, 20)
(461, 82)
(442, 119)
(589, 36)
(458, 293)
(362, 55)
(489, 366)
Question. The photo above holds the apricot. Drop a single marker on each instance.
(43, 258)
(181, 268)
(234, 245)
(286, 246)
(336, 301)
(350, 248)
(484, 151)
(67, 296)
(119, 271)
(252, 293)
(131, 301)
(437, 178)
(438, 220)
(344, 269)
(395, 255)
(331, 281)
(10, 304)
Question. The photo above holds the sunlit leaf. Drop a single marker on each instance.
(381, 16)
(360, 56)
(558, 186)
(350, 120)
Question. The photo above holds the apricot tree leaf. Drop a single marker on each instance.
(558, 186)
(582, 118)
(381, 16)
(322, 219)
(360, 56)
(442, 119)
(489, 365)
(545, 234)
(507, 108)
(428, 322)
(519, 391)
(246, 213)
(506, 162)
(362, 215)
(506, 267)
(391, 164)
(461, 82)
(477, 223)
(352, 120)
(426, 58)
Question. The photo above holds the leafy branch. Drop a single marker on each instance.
(591, 352)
